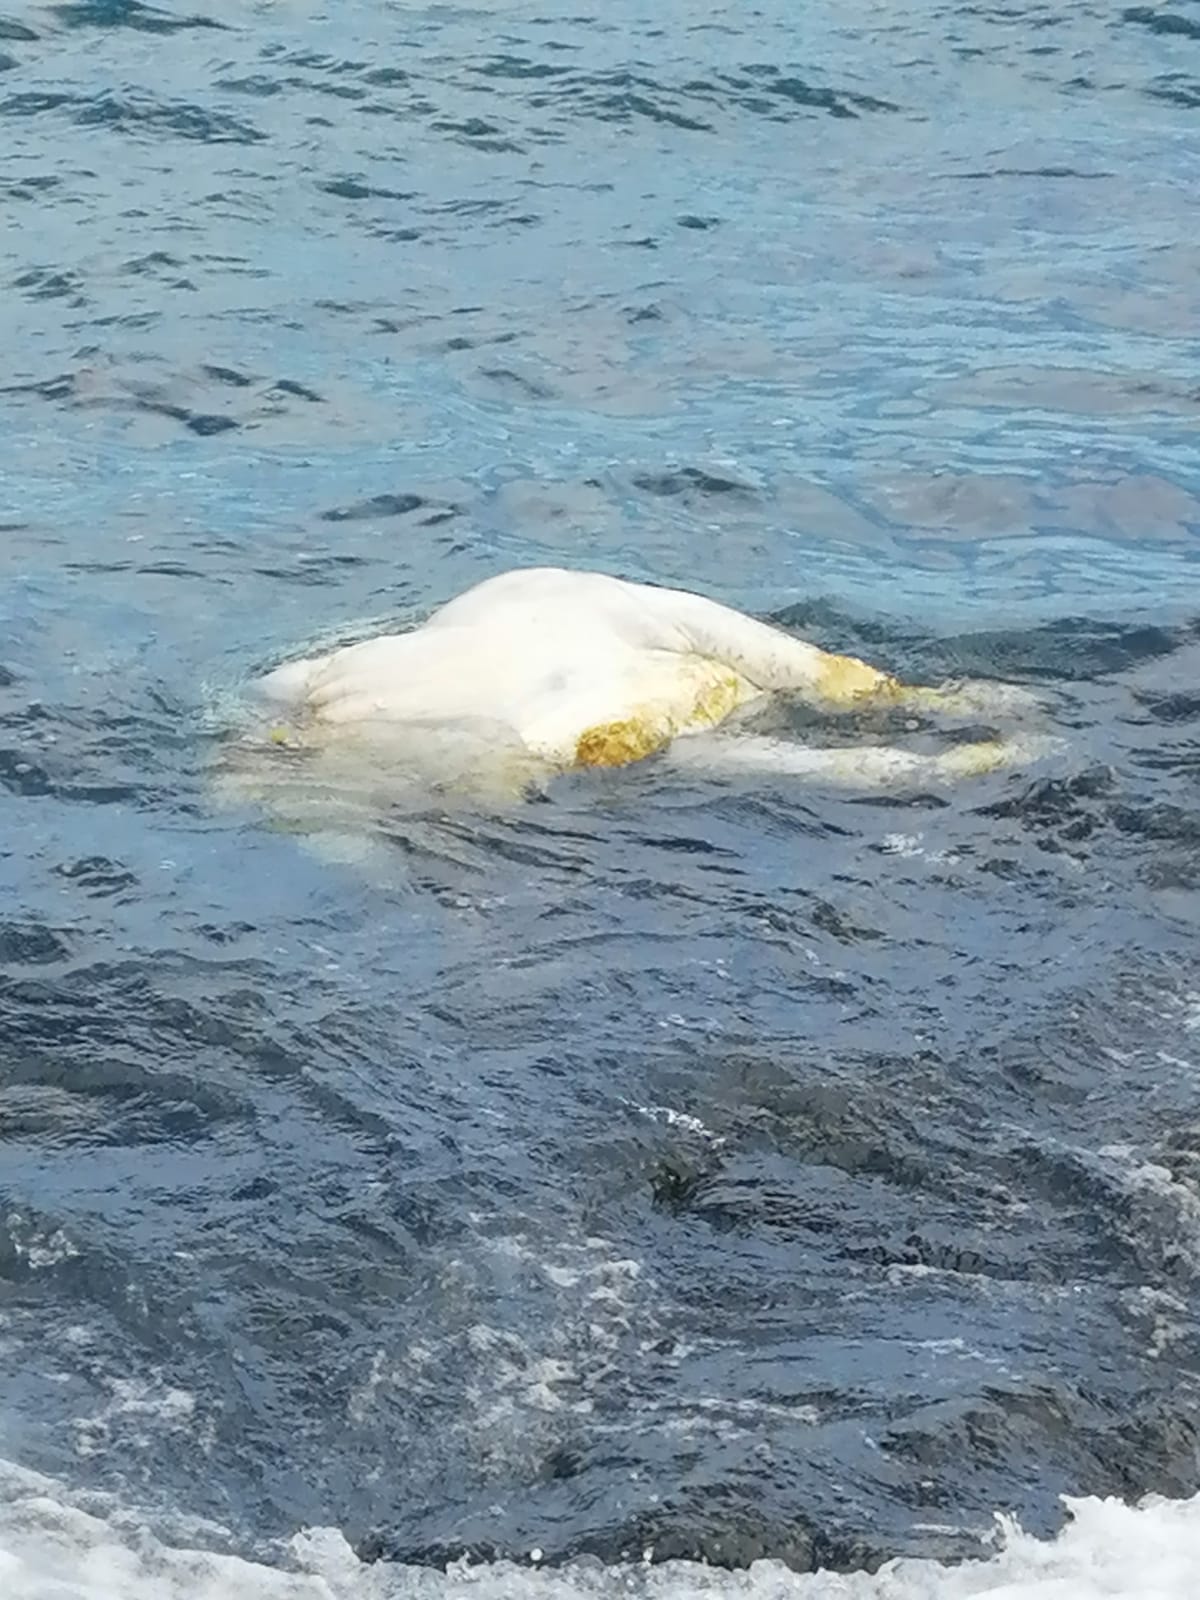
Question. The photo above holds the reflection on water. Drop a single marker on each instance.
(677, 1163)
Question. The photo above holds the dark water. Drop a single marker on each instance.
(685, 1166)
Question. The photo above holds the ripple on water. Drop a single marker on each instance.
(673, 1164)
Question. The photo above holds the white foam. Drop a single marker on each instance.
(136, 1408)
(51, 1549)
(522, 1381)
(684, 1120)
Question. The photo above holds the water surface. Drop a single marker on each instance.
(699, 1167)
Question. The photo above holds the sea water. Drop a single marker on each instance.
(680, 1185)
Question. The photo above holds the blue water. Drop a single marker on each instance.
(693, 1167)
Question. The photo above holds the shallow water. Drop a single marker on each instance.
(712, 1168)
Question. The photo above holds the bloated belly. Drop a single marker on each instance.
(451, 716)
(675, 695)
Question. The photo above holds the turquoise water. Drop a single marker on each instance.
(703, 1169)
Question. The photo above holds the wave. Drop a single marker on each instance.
(51, 1546)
